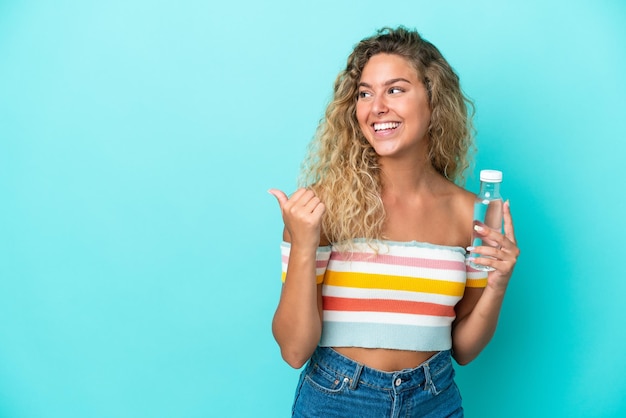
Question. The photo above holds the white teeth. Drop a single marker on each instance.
(386, 125)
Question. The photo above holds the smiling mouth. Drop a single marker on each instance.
(385, 126)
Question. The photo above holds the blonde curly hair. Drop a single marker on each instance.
(342, 167)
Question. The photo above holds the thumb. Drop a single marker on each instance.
(279, 195)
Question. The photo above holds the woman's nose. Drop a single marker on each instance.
(380, 106)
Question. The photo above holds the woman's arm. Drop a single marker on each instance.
(297, 324)
(478, 311)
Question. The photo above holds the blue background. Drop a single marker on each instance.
(139, 260)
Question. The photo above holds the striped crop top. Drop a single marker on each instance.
(400, 297)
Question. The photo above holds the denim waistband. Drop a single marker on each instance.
(358, 374)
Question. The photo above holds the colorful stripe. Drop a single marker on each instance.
(431, 263)
(476, 283)
(388, 318)
(376, 335)
(379, 281)
(349, 292)
(387, 305)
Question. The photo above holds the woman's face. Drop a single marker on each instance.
(392, 107)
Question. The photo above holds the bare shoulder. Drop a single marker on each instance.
(465, 200)
(458, 197)
(465, 205)
(460, 204)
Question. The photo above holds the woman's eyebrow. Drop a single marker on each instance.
(386, 83)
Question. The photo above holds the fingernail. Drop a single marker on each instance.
(470, 249)
(478, 228)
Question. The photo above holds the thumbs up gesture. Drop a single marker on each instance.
(302, 215)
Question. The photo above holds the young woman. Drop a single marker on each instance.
(377, 297)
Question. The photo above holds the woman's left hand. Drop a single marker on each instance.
(502, 257)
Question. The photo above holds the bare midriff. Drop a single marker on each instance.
(385, 359)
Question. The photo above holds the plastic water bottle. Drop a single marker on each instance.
(488, 209)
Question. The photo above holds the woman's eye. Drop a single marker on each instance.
(395, 90)
(363, 94)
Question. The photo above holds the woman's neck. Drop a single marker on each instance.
(403, 178)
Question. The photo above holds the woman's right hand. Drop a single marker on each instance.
(302, 214)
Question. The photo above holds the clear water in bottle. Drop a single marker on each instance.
(488, 210)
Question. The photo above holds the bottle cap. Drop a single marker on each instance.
(491, 176)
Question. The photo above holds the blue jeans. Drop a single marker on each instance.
(332, 385)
